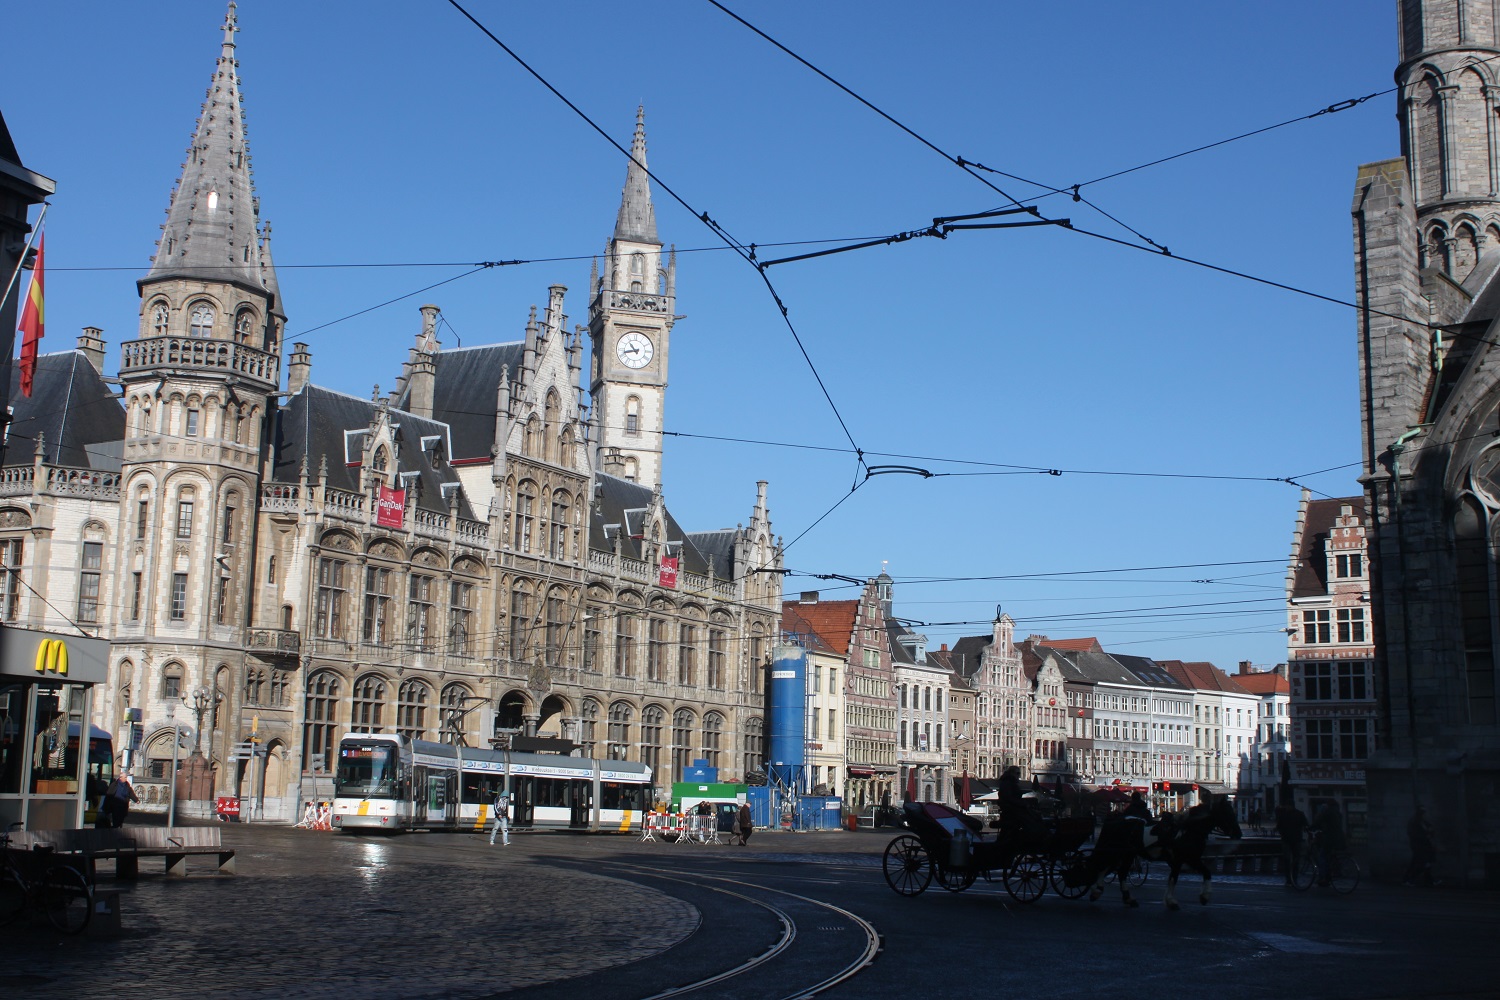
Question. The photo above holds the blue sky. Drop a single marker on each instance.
(396, 133)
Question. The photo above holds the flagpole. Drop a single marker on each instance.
(36, 231)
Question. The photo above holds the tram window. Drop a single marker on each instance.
(613, 795)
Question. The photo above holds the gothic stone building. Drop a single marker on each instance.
(1427, 274)
(478, 551)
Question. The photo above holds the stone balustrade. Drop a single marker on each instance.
(141, 357)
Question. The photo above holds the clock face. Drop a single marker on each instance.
(634, 350)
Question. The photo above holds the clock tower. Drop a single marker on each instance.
(630, 324)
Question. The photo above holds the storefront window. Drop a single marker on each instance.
(58, 723)
(12, 724)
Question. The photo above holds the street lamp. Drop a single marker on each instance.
(202, 699)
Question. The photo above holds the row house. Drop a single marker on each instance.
(486, 549)
(924, 754)
(1224, 720)
(1330, 657)
(827, 669)
(1171, 707)
(1260, 780)
(991, 665)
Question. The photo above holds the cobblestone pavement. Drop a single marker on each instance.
(327, 915)
(555, 915)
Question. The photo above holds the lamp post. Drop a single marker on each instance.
(202, 699)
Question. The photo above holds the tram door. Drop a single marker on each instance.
(581, 804)
(523, 800)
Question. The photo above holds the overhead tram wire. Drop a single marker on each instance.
(970, 168)
(744, 250)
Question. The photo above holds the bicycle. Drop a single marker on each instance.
(1343, 869)
(38, 880)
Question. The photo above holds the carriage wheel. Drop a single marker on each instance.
(955, 879)
(1026, 878)
(908, 866)
(1074, 862)
(1140, 868)
(1307, 868)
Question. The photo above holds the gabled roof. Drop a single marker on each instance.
(831, 621)
(318, 423)
(793, 624)
(1090, 643)
(619, 510)
(1311, 575)
(464, 389)
(1264, 682)
(967, 653)
(1202, 676)
(81, 421)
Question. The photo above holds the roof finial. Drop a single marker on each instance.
(637, 218)
(229, 26)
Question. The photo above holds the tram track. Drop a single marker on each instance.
(763, 968)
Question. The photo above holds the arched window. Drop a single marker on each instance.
(632, 470)
(369, 705)
(651, 726)
(411, 708)
(754, 745)
(620, 717)
(171, 682)
(560, 527)
(588, 726)
(320, 728)
(713, 732)
(244, 326)
(1476, 603)
(520, 620)
(457, 699)
(255, 685)
(682, 739)
(525, 516)
(160, 317)
(379, 463)
(1465, 251)
(201, 320)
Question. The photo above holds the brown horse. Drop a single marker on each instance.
(1177, 839)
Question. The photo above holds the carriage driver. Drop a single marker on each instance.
(1016, 817)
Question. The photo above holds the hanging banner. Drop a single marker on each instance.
(668, 575)
(390, 509)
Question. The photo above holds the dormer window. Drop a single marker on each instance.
(159, 319)
(378, 463)
(201, 320)
(1349, 567)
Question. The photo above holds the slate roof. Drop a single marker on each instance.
(966, 653)
(464, 389)
(833, 621)
(637, 218)
(317, 422)
(1202, 676)
(1096, 667)
(211, 229)
(900, 653)
(1148, 670)
(1311, 575)
(717, 549)
(623, 503)
(76, 412)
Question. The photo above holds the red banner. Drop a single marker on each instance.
(668, 575)
(390, 509)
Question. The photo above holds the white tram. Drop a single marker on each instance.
(390, 782)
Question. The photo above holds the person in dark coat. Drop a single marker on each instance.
(1137, 808)
(744, 823)
(1016, 817)
(1328, 824)
(1419, 834)
(1291, 827)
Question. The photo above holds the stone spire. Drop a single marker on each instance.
(637, 219)
(211, 232)
(268, 271)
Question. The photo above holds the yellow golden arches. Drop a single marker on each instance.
(52, 657)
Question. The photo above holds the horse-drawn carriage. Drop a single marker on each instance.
(953, 848)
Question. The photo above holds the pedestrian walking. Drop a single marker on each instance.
(745, 825)
(502, 819)
(117, 799)
(1291, 827)
(1328, 825)
(1419, 834)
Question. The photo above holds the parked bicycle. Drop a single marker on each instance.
(1342, 875)
(38, 880)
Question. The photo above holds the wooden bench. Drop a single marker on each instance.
(127, 845)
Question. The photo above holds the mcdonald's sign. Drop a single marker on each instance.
(52, 657)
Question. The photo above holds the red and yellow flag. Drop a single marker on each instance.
(33, 323)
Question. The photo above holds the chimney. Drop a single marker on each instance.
(91, 346)
(422, 377)
(298, 369)
(1246, 668)
(809, 597)
(1284, 670)
(945, 647)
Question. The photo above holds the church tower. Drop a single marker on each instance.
(630, 323)
(198, 384)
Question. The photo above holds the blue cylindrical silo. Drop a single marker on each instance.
(786, 750)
